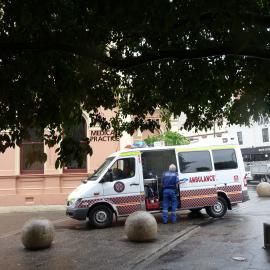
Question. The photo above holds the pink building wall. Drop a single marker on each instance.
(103, 145)
(7, 162)
(54, 185)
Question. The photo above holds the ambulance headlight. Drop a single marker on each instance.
(74, 202)
(71, 201)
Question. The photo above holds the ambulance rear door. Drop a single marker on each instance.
(228, 172)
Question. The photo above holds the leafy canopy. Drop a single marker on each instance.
(169, 137)
(208, 59)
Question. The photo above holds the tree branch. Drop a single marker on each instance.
(123, 63)
(247, 17)
(258, 18)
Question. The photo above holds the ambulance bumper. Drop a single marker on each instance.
(77, 213)
(245, 196)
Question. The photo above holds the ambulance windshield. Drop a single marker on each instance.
(100, 170)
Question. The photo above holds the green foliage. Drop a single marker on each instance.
(155, 138)
(165, 115)
(71, 150)
(61, 57)
(169, 137)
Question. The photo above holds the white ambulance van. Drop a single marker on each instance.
(212, 177)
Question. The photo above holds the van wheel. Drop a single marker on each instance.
(217, 210)
(101, 217)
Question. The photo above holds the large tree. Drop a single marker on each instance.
(208, 59)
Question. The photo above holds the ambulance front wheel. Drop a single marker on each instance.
(217, 210)
(101, 216)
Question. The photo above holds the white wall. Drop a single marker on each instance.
(178, 123)
(252, 136)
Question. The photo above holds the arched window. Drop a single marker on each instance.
(78, 133)
(32, 152)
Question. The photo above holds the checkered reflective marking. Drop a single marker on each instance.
(125, 205)
(88, 202)
(128, 209)
(198, 197)
(234, 192)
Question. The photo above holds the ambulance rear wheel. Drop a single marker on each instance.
(101, 217)
(217, 210)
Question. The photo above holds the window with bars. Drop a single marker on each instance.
(240, 137)
(77, 133)
(265, 135)
(32, 155)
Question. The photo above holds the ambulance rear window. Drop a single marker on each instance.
(195, 161)
(224, 159)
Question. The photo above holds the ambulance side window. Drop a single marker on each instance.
(195, 161)
(224, 159)
(123, 168)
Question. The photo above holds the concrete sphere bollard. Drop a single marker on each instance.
(263, 189)
(37, 233)
(141, 226)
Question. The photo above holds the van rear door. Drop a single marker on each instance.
(228, 172)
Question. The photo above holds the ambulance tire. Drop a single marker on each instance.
(217, 210)
(101, 216)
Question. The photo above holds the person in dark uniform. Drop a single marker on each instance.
(170, 183)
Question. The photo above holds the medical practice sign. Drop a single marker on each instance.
(103, 136)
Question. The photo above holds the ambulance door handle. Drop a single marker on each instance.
(134, 184)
